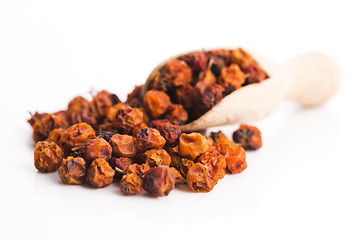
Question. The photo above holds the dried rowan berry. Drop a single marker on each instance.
(114, 98)
(123, 145)
(100, 173)
(240, 57)
(148, 138)
(146, 117)
(77, 152)
(156, 157)
(176, 114)
(236, 160)
(169, 131)
(206, 96)
(185, 165)
(36, 117)
(97, 148)
(199, 179)
(176, 72)
(197, 61)
(210, 141)
(56, 135)
(215, 162)
(131, 184)
(102, 102)
(40, 131)
(138, 169)
(72, 170)
(124, 118)
(254, 72)
(218, 60)
(159, 181)
(207, 76)
(77, 135)
(42, 127)
(216, 136)
(107, 127)
(221, 142)
(248, 136)
(178, 177)
(59, 120)
(107, 134)
(231, 78)
(138, 128)
(120, 164)
(176, 158)
(47, 156)
(79, 110)
(134, 97)
(156, 102)
(216, 65)
(224, 54)
(192, 145)
(158, 82)
(184, 96)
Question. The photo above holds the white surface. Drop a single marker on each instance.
(303, 183)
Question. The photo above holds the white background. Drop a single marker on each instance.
(303, 183)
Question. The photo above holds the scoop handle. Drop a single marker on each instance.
(310, 79)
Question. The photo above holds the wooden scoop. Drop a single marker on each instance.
(309, 79)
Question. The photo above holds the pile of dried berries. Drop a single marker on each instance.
(139, 142)
(196, 82)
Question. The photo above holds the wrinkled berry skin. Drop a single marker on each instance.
(107, 134)
(240, 57)
(215, 163)
(236, 160)
(124, 118)
(133, 98)
(178, 177)
(131, 184)
(197, 61)
(97, 148)
(159, 181)
(43, 124)
(79, 110)
(138, 169)
(47, 156)
(192, 145)
(185, 165)
(102, 102)
(248, 136)
(199, 179)
(221, 142)
(56, 136)
(148, 138)
(100, 173)
(123, 145)
(138, 128)
(255, 72)
(156, 103)
(177, 73)
(72, 170)
(176, 114)
(206, 96)
(184, 96)
(77, 135)
(169, 131)
(157, 157)
(219, 59)
(120, 165)
(231, 78)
